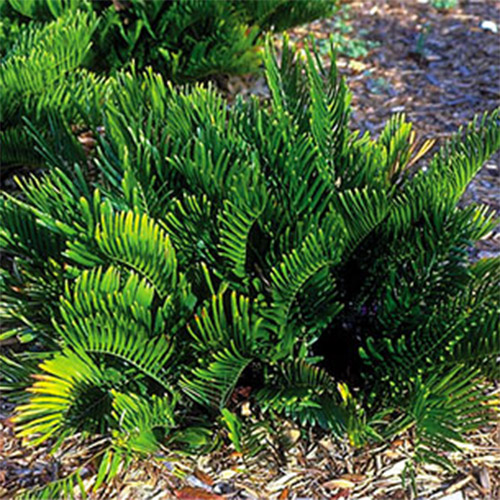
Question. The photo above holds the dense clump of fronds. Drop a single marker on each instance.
(264, 247)
(51, 51)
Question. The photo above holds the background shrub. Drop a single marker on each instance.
(182, 39)
(201, 248)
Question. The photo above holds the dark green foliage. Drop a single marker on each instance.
(51, 51)
(263, 247)
(183, 39)
(42, 75)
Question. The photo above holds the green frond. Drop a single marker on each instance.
(16, 372)
(69, 396)
(68, 487)
(442, 409)
(44, 9)
(461, 158)
(362, 211)
(321, 249)
(329, 108)
(448, 174)
(131, 341)
(17, 149)
(22, 234)
(281, 15)
(250, 439)
(190, 226)
(54, 50)
(55, 200)
(142, 423)
(103, 295)
(134, 241)
(220, 324)
(236, 221)
(228, 341)
(214, 384)
(109, 466)
(396, 142)
(307, 394)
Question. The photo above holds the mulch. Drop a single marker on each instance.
(440, 67)
(313, 468)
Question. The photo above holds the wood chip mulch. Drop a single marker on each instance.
(315, 468)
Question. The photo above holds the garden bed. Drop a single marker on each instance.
(440, 68)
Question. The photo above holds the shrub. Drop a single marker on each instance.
(202, 251)
(189, 40)
(182, 39)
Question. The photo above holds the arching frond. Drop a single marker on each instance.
(229, 341)
(236, 221)
(68, 396)
(142, 423)
(134, 241)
